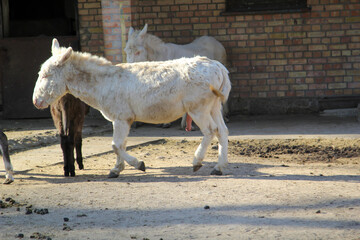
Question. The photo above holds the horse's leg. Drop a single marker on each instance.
(4, 149)
(222, 135)
(208, 128)
(121, 131)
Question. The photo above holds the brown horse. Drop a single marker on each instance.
(68, 115)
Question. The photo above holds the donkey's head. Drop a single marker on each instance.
(50, 84)
(135, 48)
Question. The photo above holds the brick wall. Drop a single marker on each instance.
(279, 63)
(116, 22)
(90, 26)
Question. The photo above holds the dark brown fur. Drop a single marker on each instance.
(68, 115)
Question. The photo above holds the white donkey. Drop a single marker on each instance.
(151, 92)
(142, 47)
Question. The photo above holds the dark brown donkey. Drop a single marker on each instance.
(68, 115)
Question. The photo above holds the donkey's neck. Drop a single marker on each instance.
(156, 49)
(86, 75)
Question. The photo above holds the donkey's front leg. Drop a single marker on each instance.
(4, 150)
(67, 146)
(121, 131)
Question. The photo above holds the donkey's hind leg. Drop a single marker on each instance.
(4, 149)
(121, 131)
(78, 145)
(222, 135)
(207, 127)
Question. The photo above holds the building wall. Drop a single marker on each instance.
(91, 26)
(116, 22)
(279, 63)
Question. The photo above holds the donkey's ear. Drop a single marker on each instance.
(131, 31)
(65, 56)
(143, 32)
(55, 46)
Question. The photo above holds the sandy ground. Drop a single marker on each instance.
(274, 188)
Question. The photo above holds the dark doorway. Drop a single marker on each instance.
(27, 29)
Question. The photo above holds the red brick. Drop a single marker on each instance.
(92, 5)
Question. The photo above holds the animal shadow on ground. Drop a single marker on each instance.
(180, 174)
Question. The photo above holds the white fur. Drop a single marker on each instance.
(9, 178)
(4, 150)
(142, 46)
(151, 92)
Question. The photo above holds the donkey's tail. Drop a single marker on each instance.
(224, 90)
(218, 93)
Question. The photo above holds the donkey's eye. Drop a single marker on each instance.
(137, 53)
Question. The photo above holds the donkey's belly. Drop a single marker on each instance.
(160, 113)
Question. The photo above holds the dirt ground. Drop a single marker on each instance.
(272, 189)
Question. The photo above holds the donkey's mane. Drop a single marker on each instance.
(153, 40)
(86, 60)
(89, 61)
(89, 58)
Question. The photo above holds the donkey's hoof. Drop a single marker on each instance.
(113, 175)
(197, 167)
(141, 166)
(66, 174)
(81, 166)
(8, 181)
(216, 172)
(72, 174)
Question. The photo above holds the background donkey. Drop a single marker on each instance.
(4, 149)
(68, 114)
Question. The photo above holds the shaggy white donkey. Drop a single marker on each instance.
(142, 46)
(151, 92)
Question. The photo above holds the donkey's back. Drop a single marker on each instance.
(159, 92)
(209, 47)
